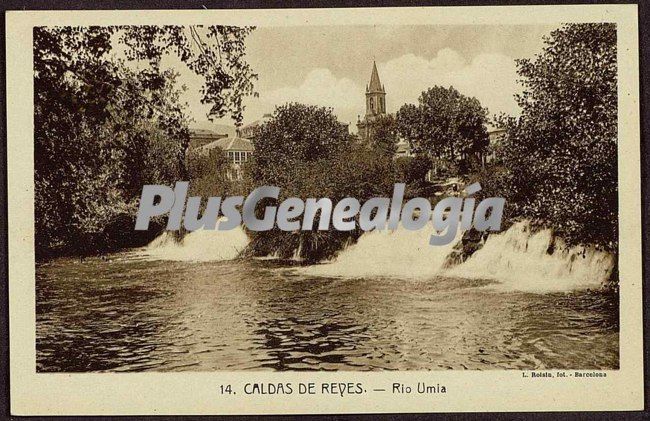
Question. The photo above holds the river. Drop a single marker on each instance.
(135, 312)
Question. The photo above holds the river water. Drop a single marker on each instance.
(136, 313)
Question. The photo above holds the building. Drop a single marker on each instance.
(238, 150)
(375, 105)
(249, 130)
(496, 136)
(376, 109)
(200, 137)
(403, 149)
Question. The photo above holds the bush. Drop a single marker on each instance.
(207, 173)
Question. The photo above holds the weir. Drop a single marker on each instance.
(517, 259)
(197, 246)
(399, 254)
(537, 262)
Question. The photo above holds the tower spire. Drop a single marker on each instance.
(375, 84)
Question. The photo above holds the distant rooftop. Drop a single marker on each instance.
(265, 118)
(206, 127)
(204, 132)
(496, 130)
(230, 144)
(201, 137)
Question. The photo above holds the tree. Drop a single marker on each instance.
(383, 136)
(308, 153)
(561, 153)
(445, 124)
(295, 134)
(412, 169)
(103, 128)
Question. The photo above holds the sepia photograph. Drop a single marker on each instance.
(301, 211)
(529, 112)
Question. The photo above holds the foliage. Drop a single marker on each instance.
(219, 58)
(496, 181)
(412, 169)
(331, 166)
(296, 134)
(444, 125)
(103, 128)
(561, 154)
(207, 173)
(383, 136)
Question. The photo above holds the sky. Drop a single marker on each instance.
(331, 65)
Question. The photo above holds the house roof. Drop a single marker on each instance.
(230, 144)
(496, 130)
(204, 132)
(403, 146)
(265, 118)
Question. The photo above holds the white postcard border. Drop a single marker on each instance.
(197, 393)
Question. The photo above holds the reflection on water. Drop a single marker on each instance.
(129, 314)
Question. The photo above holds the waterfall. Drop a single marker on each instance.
(399, 254)
(197, 246)
(517, 259)
(536, 262)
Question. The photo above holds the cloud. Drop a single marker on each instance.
(491, 78)
(320, 87)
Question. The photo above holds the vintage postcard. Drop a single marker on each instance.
(305, 211)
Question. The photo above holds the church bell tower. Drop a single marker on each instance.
(375, 95)
(375, 104)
